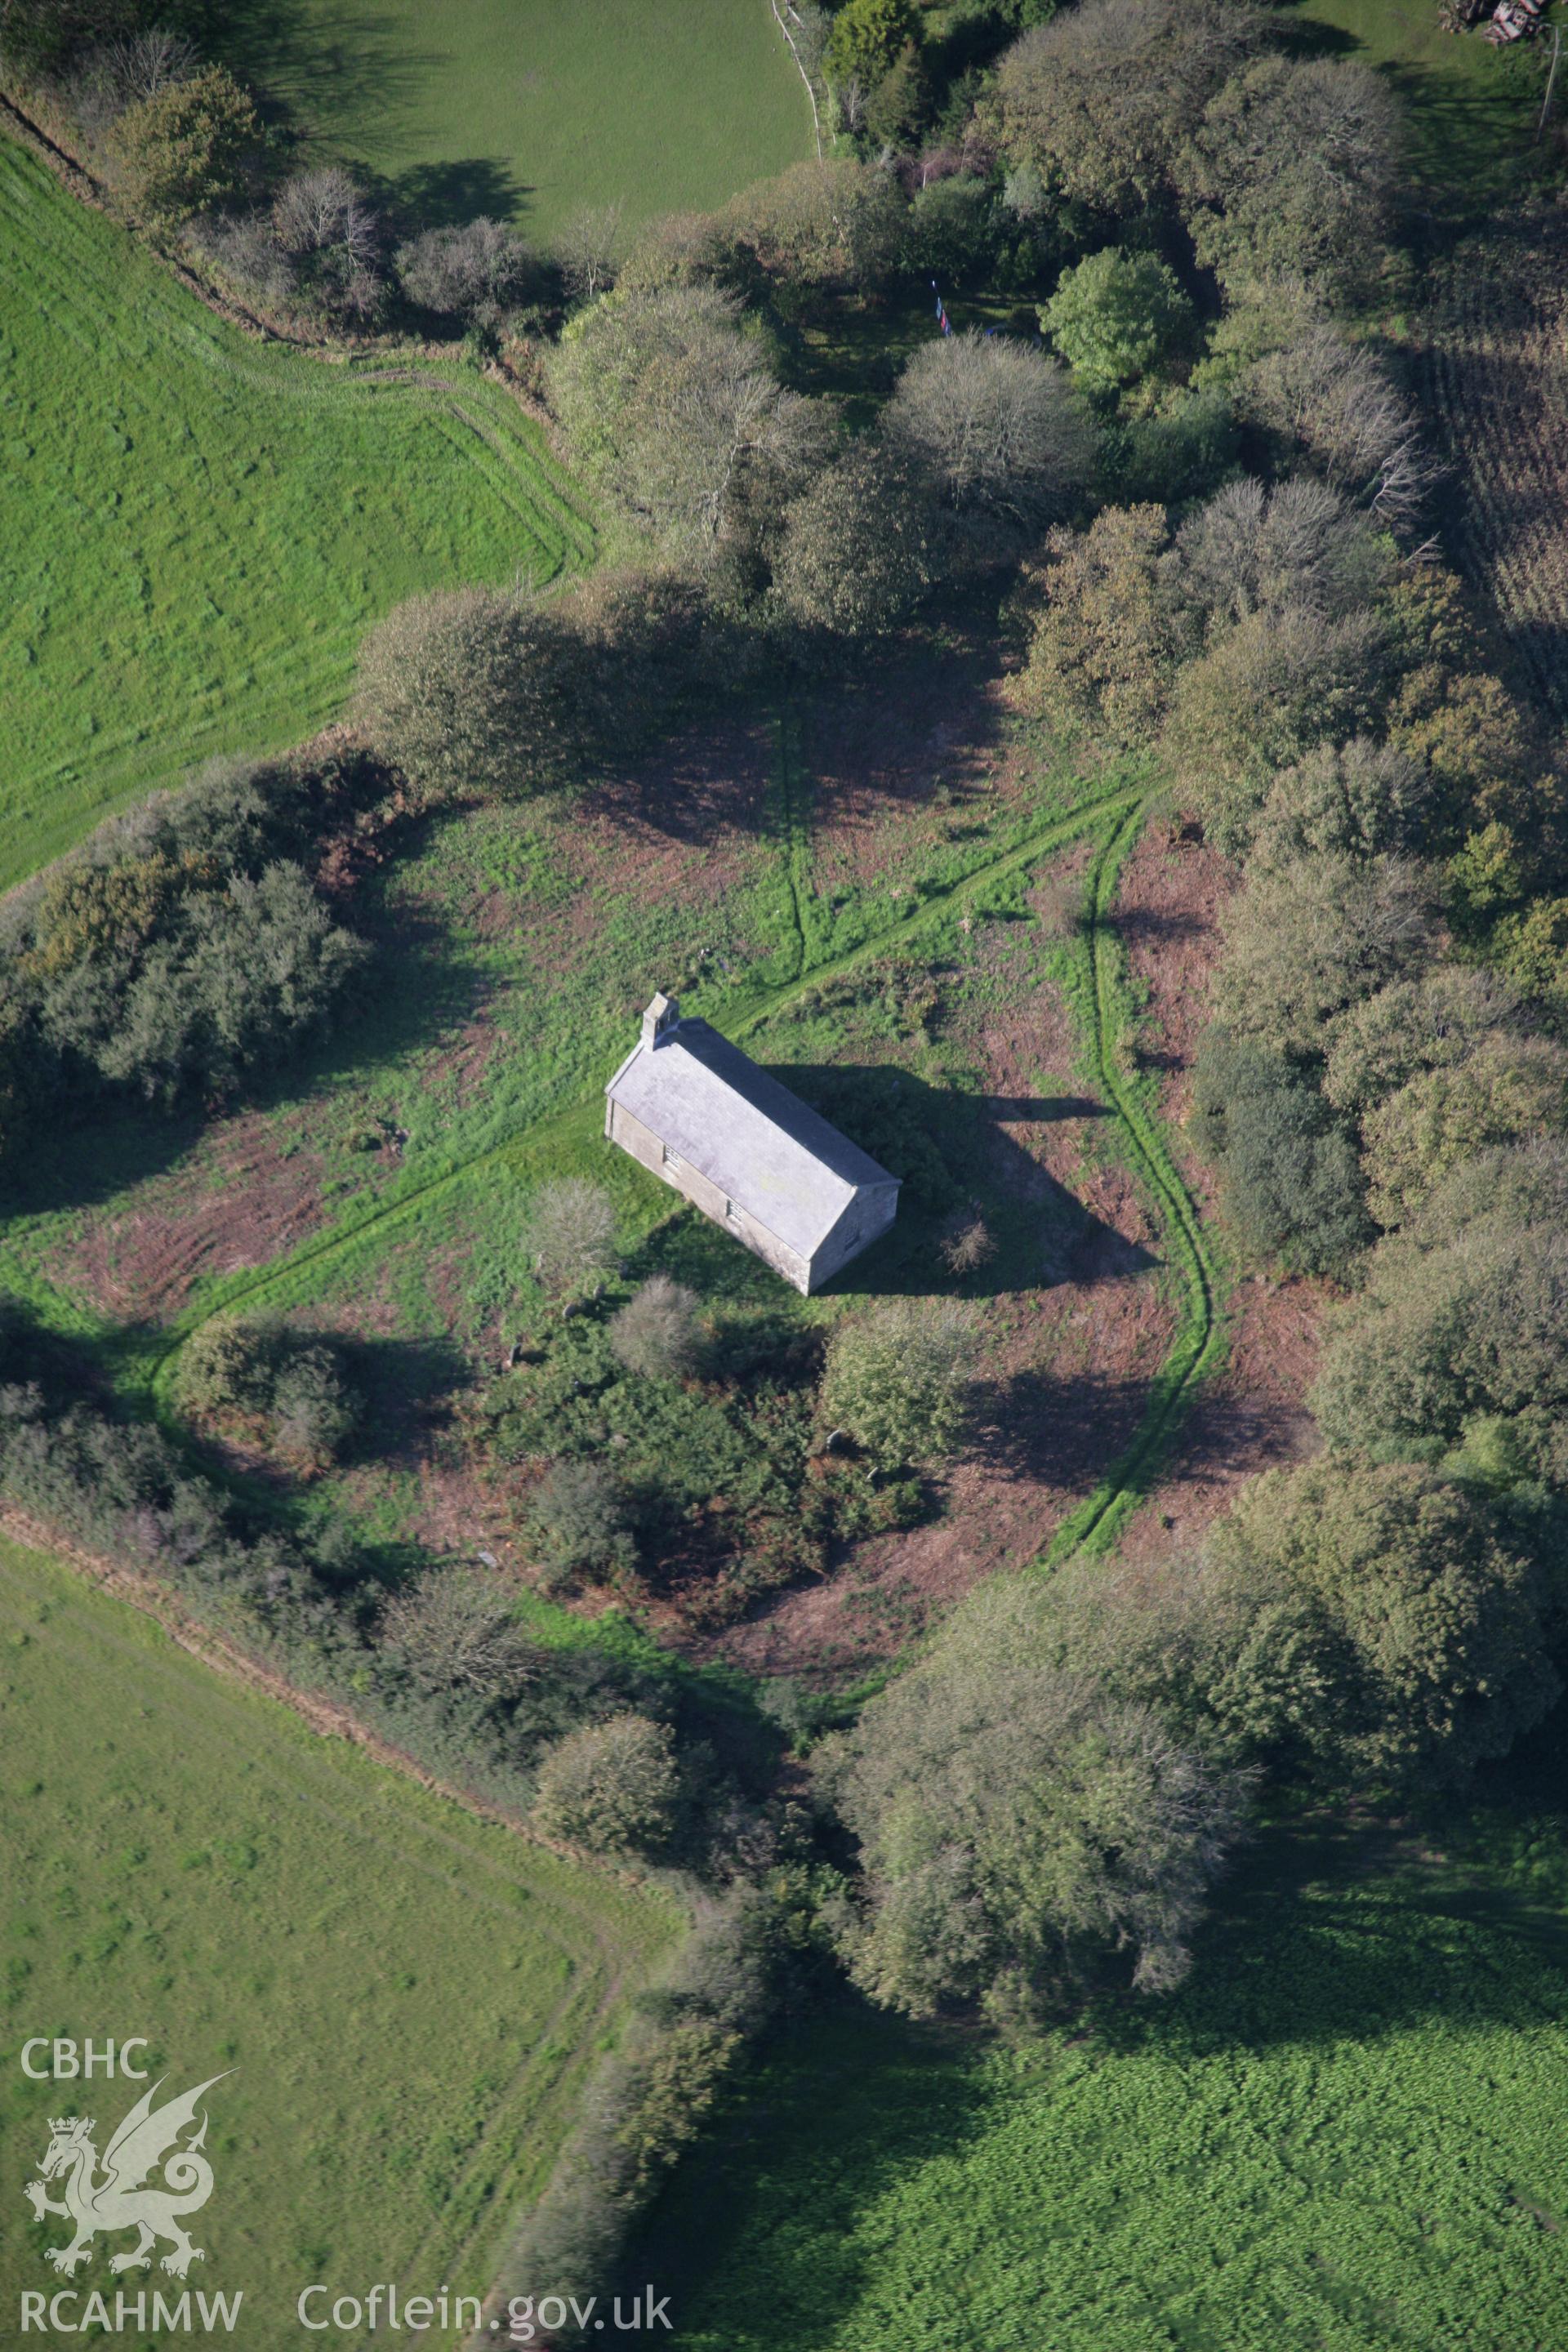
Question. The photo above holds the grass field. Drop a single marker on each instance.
(531, 109)
(1346, 2136)
(199, 529)
(408, 1998)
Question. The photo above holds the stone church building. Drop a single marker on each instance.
(744, 1150)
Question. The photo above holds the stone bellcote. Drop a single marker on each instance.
(663, 1016)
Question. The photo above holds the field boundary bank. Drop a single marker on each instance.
(1098, 1517)
(789, 36)
(480, 1870)
(1116, 817)
(468, 444)
(73, 177)
(71, 174)
(328, 1719)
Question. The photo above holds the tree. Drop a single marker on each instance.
(1435, 1630)
(830, 222)
(243, 248)
(459, 691)
(578, 1523)
(1429, 1022)
(1362, 799)
(655, 1334)
(167, 970)
(570, 1235)
(898, 1378)
(1333, 402)
(1116, 316)
(901, 101)
(996, 427)
(124, 72)
(313, 1411)
(1506, 1089)
(226, 1364)
(1291, 172)
(249, 970)
(857, 551)
(1291, 1187)
(674, 411)
(184, 150)
(613, 1788)
(868, 39)
(969, 1247)
(1307, 939)
(181, 944)
(474, 272)
(1221, 1657)
(150, 59)
(1295, 548)
(1264, 693)
(950, 233)
(1448, 1339)
(331, 233)
(1018, 1826)
(1099, 100)
(458, 1631)
(287, 1387)
(42, 37)
(1532, 947)
(675, 249)
(1106, 634)
(585, 250)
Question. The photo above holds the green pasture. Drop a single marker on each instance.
(533, 108)
(199, 528)
(408, 1998)
(1345, 2137)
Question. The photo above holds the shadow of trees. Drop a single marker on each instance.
(1056, 1430)
(289, 51)
(95, 1142)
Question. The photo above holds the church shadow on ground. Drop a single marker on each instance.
(958, 1163)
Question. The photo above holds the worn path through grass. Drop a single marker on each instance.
(1105, 1011)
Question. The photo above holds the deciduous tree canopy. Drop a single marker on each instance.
(1099, 100)
(1018, 1825)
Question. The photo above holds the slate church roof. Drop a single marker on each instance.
(754, 1141)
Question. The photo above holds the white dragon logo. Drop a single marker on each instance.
(118, 2201)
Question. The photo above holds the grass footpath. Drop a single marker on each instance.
(1099, 988)
(200, 528)
(409, 1998)
(533, 108)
